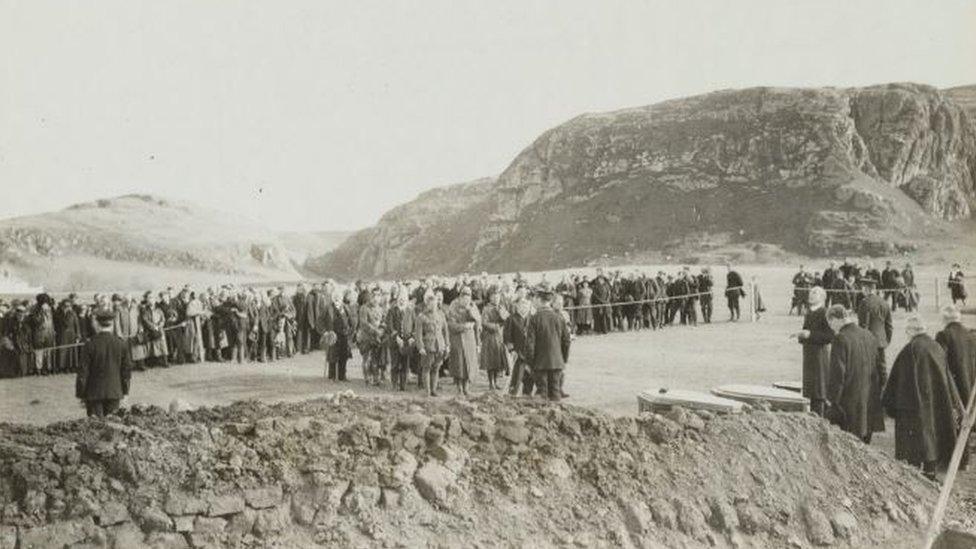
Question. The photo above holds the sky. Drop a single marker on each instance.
(322, 115)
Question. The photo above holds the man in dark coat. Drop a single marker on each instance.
(815, 337)
(104, 370)
(547, 341)
(923, 402)
(514, 336)
(960, 347)
(874, 315)
(889, 285)
(313, 307)
(854, 382)
(300, 303)
(601, 302)
(734, 290)
(705, 284)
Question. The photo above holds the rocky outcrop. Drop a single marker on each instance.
(862, 171)
(434, 233)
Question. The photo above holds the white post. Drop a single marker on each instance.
(938, 289)
(752, 302)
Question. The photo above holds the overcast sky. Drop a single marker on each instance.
(324, 114)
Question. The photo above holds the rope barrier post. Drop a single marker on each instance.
(752, 302)
(938, 291)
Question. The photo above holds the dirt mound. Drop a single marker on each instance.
(483, 472)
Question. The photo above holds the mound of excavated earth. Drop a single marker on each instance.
(485, 472)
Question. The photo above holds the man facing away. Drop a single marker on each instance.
(104, 370)
(960, 348)
(923, 401)
(874, 315)
(854, 381)
(734, 290)
(547, 342)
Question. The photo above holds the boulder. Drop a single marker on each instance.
(433, 481)
(264, 497)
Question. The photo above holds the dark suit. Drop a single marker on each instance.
(874, 315)
(816, 358)
(547, 341)
(734, 289)
(960, 347)
(854, 383)
(299, 301)
(103, 374)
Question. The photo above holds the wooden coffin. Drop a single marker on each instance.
(778, 399)
(657, 399)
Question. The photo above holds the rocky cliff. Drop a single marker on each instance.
(140, 230)
(861, 171)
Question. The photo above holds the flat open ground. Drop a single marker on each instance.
(605, 372)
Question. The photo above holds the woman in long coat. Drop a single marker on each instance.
(494, 358)
(69, 332)
(957, 285)
(464, 325)
(815, 338)
(584, 316)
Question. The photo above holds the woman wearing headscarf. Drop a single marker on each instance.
(464, 325)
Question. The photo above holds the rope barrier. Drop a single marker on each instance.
(654, 300)
(82, 343)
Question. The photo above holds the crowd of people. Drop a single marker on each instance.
(43, 337)
(846, 376)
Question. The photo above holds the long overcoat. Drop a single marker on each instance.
(854, 384)
(923, 402)
(960, 347)
(494, 357)
(816, 354)
(464, 326)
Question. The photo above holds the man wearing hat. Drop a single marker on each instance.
(104, 369)
(547, 344)
(960, 347)
(873, 314)
(923, 402)
(854, 381)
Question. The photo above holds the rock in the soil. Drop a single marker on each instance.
(263, 498)
(819, 529)
(685, 418)
(752, 520)
(637, 517)
(113, 513)
(226, 504)
(723, 516)
(153, 519)
(433, 480)
(403, 468)
(691, 520)
(415, 423)
(123, 535)
(844, 525)
(166, 540)
(179, 503)
(664, 514)
(58, 534)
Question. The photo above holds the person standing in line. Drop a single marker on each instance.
(548, 342)
(705, 284)
(302, 327)
(734, 290)
(104, 369)
(400, 320)
(854, 382)
(957, 285)
(922, 399)
(815, 337)
(515, 341)
(874, 315)
(494, 358)
(464, 326)
(433, 342)
(340, 351)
